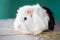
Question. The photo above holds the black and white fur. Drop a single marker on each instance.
(38, 20)
(51, 23)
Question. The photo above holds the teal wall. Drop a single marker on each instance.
(4, 9)
(8, 7)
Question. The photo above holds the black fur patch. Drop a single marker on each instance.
(51, 24)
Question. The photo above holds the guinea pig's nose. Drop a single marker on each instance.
(25, 18)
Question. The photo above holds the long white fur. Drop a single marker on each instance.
(35, 24)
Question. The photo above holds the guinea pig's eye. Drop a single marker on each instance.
(25, 18)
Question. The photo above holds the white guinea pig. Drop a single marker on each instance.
(33, 19)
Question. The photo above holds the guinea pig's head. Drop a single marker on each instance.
(25, 15)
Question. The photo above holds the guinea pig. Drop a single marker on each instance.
(34, 19)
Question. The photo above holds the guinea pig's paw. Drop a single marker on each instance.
(34, 34)
(37, 32)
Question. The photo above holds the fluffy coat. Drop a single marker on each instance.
(32, 19)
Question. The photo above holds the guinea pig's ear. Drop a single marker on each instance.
(29, 11)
